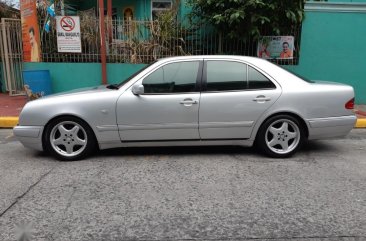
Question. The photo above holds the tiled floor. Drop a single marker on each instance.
(11, 105)
(360, 111)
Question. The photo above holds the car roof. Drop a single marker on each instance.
(253, 60)
(188, 57)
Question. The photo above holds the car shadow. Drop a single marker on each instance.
(318, 146)
(307, 154)
(177, 150)
(310, 147)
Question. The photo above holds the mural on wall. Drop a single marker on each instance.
(30, 31)
(276, 47)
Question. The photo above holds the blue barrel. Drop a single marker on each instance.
(39, 81)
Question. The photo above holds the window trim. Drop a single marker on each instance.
(161, 9)
(198, 84)
(204, 77)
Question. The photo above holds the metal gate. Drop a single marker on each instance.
(12, 55)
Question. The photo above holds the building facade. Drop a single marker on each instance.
(333, 45)
(134, 9)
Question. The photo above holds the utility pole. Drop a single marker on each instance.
(103, 50)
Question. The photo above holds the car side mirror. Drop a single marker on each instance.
(138, 89)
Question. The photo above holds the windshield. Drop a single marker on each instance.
(135, 74)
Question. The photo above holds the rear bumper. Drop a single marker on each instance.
(331, 127)
(30, 136)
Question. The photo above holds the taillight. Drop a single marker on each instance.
(350, 105)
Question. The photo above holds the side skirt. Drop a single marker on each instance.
(108, 145)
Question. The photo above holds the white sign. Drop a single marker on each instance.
(68, 34)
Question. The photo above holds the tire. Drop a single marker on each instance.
(281, 136)
(69, 138)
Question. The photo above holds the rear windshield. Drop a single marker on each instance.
(297, 75)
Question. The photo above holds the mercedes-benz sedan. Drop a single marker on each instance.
(194, 100)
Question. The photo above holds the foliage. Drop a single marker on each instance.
(168, 35)
(43, 4)
(249, 18)
(89, 28)
(162, 37)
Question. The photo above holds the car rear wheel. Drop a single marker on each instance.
(68, 139)
(281, 136)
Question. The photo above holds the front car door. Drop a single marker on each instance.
(233, 98)
(168, 109)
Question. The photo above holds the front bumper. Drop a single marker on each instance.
(30, 136)
(331, 127)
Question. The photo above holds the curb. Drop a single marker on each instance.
(8, 122)
(361, 123)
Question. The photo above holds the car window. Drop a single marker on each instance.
(258, 81)
(173, 78)
(226, 75)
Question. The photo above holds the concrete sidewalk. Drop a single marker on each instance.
(11, 106)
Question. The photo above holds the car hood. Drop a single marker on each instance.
(73, 94)
(87, 90)
(76, 102)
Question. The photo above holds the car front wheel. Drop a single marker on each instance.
(68, 139)
(281, 136)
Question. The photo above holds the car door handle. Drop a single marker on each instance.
(188, 102)
(261, 98)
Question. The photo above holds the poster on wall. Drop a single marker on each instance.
(30, 31)
(276, 47)
(68, 34)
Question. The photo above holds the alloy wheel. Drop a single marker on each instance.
(68, 138)
(282, 136)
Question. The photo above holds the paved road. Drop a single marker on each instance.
(203, 193)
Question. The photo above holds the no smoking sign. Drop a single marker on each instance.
(68, 34)
(67, 24)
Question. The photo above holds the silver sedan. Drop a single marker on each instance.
(195, 100)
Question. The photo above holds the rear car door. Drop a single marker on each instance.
(234, 96)
(168, 109)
